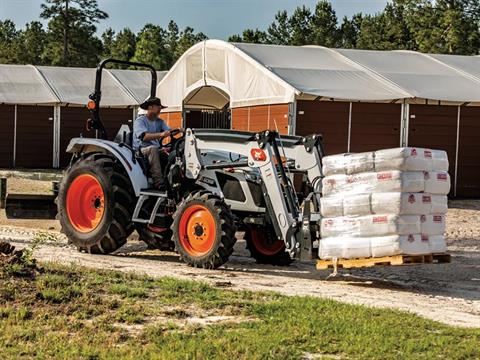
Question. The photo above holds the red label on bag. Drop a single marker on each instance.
(379, 219)
(442, 176)
(424, 237)
(329, 222)
(331, 182)
(426, 199)
(427, 154)
(413, 152)
(438, 218)
(384, 176)
(411, 199)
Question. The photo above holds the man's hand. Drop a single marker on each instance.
(166, 133)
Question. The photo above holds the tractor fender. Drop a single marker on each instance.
(122, 153)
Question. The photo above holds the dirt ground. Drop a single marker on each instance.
(449, 293)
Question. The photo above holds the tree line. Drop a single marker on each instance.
(431, 26)
(69, 39)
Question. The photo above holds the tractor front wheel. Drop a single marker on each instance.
(204, 230)
(95, 203)
(265, 248)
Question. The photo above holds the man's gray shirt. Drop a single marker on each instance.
(143, 125)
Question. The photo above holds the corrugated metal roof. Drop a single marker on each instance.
(27, 84)
(419, 74)
(23, 84)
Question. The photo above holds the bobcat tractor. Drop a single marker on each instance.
(218, 182)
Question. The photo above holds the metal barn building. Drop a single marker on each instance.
(359, 100)
(42, 108)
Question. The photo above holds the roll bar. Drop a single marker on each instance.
(95, 122)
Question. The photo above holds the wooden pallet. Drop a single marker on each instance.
(386, 260)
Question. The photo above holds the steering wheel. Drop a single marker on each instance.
(170, 140)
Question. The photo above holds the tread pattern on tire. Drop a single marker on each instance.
(224, 248)
(120, 226)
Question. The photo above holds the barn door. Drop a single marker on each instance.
(7, 122)
(34, 136)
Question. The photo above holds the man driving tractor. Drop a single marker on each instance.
(148, 132)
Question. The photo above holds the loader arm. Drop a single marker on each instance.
(263, 151)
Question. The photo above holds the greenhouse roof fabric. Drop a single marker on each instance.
(44, 85)
(254, 74)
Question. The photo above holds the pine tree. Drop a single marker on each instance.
(9, 41)
(324, 25)
(123, 46)
(150, 47)
(71, 31)
(279, 31)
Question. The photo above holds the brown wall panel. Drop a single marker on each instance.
(434, 127)
(327, 118)
(7, 124)
(259, 118)
(172, 119)
(375, 126)
(73, 120)
(34, 136)
(468, 177)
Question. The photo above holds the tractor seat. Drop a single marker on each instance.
(124, 136)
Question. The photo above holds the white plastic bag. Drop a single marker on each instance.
(344, 248)
(404, 159)
(399, 245)
(440, 160)
(437, 244)
(383, 203)
(331, 206)
(385, 181)
(437, 182)
(349, 163)
(432, 224)
(370, 225)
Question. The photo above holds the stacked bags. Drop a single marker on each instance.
(383, 203)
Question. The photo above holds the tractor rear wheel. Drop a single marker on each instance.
(265, 248)
(95, 204)
(204, 230)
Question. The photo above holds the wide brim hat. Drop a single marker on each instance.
(151, 101)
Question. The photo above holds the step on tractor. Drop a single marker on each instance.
(219, 182)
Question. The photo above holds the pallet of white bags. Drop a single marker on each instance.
(385, 260)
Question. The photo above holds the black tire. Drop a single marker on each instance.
(222, 239)
(156, 240)
(266, 249)
(115, 226)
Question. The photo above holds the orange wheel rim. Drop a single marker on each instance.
(85, 203)
(197, 230)
(264, 245)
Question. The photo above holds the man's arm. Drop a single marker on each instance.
(160, 135)
(154, 136)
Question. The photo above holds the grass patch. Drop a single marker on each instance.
(70, 312)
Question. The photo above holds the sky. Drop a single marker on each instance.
(218, 19)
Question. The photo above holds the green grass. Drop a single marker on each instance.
(72, 312)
